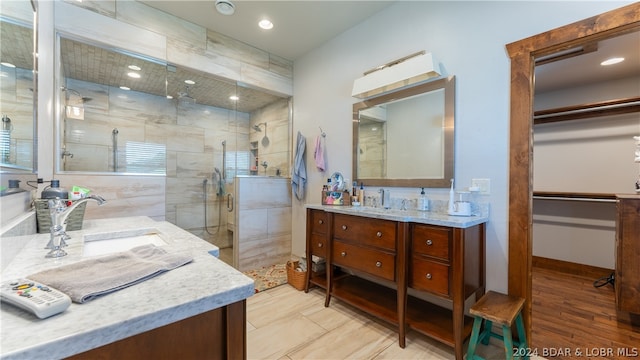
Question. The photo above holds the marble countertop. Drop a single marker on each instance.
(422, 217)
(204, 284)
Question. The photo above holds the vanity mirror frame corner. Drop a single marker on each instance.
(445, 83)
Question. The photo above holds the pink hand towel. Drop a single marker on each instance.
(318, 154)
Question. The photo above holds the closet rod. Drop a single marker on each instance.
(583, 111)
(574, 199)
(557, 195)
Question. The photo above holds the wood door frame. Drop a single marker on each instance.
(522, 54)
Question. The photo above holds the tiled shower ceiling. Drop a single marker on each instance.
(94, 64)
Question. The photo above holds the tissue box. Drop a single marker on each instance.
(336, 198)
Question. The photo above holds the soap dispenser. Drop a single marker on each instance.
(423, 202)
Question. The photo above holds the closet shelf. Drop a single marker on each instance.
(557, 195)
(583, 111)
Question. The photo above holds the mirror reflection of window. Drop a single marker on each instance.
(16, 94)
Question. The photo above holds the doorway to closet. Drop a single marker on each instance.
(522, 54)
(585, 118)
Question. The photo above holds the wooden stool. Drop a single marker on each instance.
(501, 309)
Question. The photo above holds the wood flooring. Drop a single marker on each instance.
(284, 323)
(573, 319)
(570, 315)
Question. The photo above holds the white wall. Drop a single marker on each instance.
(592, 155)
(469, 39)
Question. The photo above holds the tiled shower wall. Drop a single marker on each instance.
(191, 136)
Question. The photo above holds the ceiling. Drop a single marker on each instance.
(299, 26)
(586, 69)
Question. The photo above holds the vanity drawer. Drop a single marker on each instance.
(431, 241)
(429, 276)
(366, 231)
(319, 221)
(318, 245)
(374, 262)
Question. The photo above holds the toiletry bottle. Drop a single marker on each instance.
(361, 194)
(54, 191)
(452, 200)
(423, 202)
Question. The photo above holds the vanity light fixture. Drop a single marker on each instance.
(134, 67)
(612, 61)
(225, 7)
(234, 98)
(133, 74)
(189, 82)
(265, 24)
(409, 70)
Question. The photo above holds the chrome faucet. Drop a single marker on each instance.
(59, 215)
(385, 198)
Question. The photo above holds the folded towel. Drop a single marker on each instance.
(299, 173)
(87, 279)
(318, 154)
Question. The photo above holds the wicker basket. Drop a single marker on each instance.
(295, 278)
(74, 221)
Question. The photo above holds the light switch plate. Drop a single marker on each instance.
(483, 184)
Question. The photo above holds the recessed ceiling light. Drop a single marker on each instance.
(135, 67)
(125, 88)
(234, 98)
(265, 24)
(612, 61)
(225, 7)
(7, 64)
(189, 82)
(134, 75)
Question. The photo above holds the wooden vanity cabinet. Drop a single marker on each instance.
(627, 273)
(317, 244)
(380, 260)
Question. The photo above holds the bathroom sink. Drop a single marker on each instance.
(116, 241)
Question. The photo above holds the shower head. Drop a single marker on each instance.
(80, 98)
(257, 128)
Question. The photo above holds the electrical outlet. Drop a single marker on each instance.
(483, 184)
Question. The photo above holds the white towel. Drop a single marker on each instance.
(318, 154)
(88, 279)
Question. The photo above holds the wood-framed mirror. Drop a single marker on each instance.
(406, 138)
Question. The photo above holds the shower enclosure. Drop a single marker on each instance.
(194, 136)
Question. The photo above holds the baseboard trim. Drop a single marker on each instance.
(570, 267)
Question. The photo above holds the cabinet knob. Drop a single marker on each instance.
(378, 264)
(379, 234)
(429, 242)
(343, 254)
(429, 276)
(320, 222)
(344, 227)
(319, 245)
